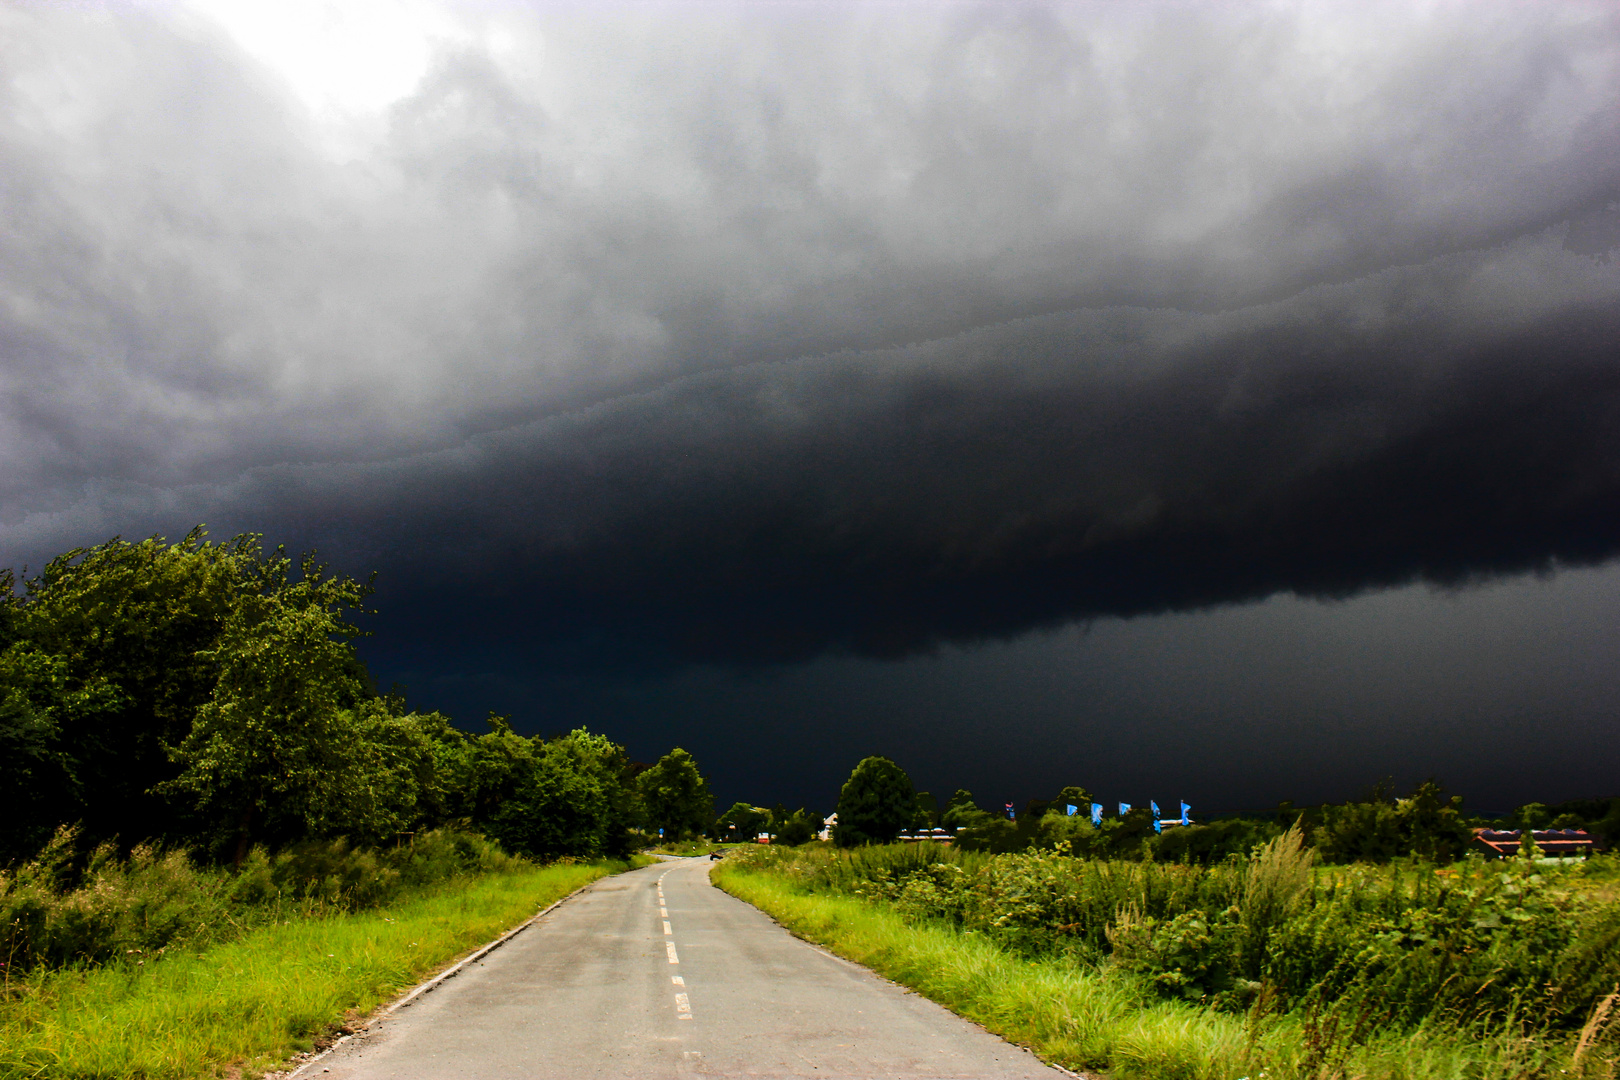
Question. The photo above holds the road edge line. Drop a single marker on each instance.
(826, 950)
(433, 983)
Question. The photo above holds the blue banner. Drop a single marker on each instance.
(1096, 813)
(1124, 808)
(1072, 809)
(1184, 809)
(1155, 807)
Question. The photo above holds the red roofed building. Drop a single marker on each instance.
(1554, 843)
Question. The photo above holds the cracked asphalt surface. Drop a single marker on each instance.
(657, 973)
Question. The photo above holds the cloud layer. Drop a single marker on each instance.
(735, 332)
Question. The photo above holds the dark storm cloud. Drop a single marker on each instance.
(1446, 422)
(749, 332)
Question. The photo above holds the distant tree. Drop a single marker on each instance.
(876, 802)
(1075, 796)
(927, 815)
(675, 796)
(1531, 816)
(568, 802)
(1382, 827)
(743, 822)
(961, 811)
(800, 827)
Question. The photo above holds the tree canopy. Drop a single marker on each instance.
(876, 802)
(210, 695)
(675, 796)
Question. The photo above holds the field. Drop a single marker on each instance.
(1260, 967)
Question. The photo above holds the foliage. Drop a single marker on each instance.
(1379, 947)
(569, 802)
(876, 802)
(277, 730)
(742, 823)
(290, 978)
(1106, 1019)
(210, 696)
(103, 664)
(675, 796)
(800, 827)
(1381, 827)
(58, 909)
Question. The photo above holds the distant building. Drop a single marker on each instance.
(939, 836)
(1555, 843)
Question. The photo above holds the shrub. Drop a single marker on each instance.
(55, 911)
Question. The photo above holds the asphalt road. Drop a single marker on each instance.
(657, 973)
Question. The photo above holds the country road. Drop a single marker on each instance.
(657, 973)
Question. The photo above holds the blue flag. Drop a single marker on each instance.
(1184, 809)
(1124, 808)
(1096, 813)
(1155, 807)
(1072, 809)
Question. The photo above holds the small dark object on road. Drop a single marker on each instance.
(713, 855)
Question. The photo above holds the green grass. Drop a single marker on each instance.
(690, 848)
(252, 1002)
(1093, 1018)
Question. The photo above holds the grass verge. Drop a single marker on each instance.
(251, 1003)
(1092, 1019)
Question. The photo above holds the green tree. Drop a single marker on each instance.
(107, 660)
(570, 802)
(961, 812)
(675, 796)
(1382, 827)
(876, 802)
(276, 738)
(742, 822)
(800, 827)
(927, 814)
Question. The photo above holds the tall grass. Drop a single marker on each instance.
(63, 908)
(272, 991)
(1351, 971)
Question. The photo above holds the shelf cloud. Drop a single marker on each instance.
(739, 333)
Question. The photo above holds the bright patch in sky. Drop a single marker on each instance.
(345, 59)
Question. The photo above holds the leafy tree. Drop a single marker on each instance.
(277, 733)
(1382, 827)
(743, 822)
(675, 796)
(800, 827)
(1075, 796)
(571, 802)
(1531, 816)
(876, 802)
(927, 813)
(961, 812)
(107, 662)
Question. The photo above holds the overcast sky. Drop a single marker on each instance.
(1220, 400)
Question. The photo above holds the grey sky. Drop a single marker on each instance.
(868, 315)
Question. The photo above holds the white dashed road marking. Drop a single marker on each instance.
(683, 1006)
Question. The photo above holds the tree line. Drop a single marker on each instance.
(878, 802)
(210, 695)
